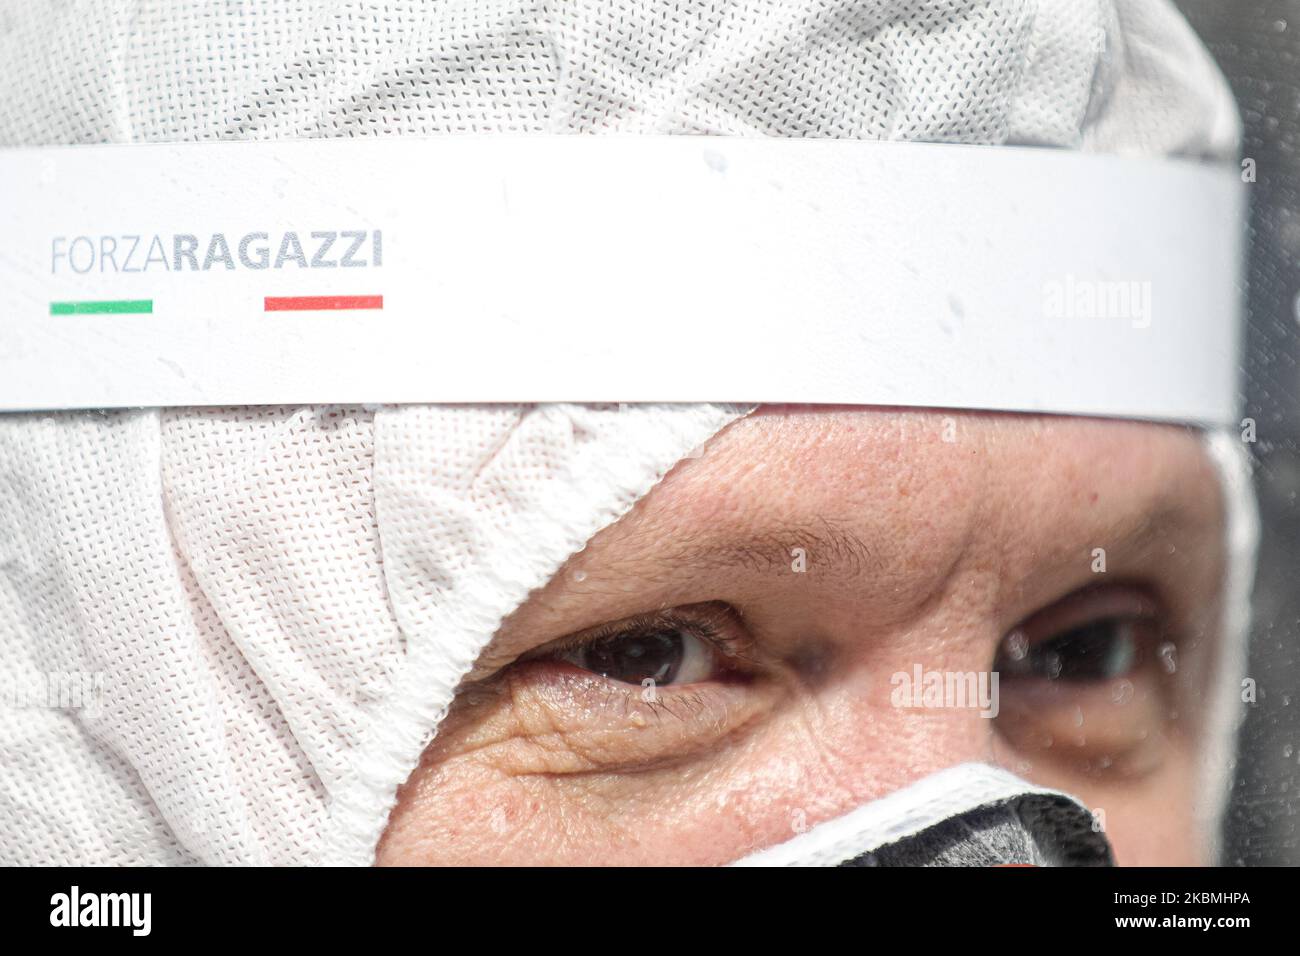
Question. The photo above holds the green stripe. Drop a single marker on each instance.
(118, 306)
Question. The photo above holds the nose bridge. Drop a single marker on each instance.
(934, 714)
(913, 702)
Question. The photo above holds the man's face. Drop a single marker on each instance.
(733, 661)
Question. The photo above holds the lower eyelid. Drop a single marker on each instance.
(1119, 725)
(613, 726)
(569, 684)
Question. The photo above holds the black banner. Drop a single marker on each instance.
(908, 906)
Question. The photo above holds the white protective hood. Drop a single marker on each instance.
(281, 601)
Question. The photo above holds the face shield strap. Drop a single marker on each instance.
(618, 269)
(968, 815)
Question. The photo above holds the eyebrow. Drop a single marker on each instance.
(1160, 521)
(837, 551)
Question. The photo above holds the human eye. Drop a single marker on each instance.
(1097, 650)
(663, 648)
(653, 688)
(1087, 681)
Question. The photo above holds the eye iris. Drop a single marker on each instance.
(633, 658)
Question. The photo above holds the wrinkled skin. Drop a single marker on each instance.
(927, 538)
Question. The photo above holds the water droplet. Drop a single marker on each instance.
(1123, 692)
(1168, 657)
(1054, 666)
(579, 576)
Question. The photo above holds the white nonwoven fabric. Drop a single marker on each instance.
(909, 811)
(279, 602)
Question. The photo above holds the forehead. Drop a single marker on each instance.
(888, 502)
(808, 459)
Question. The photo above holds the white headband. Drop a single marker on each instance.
(619, 269)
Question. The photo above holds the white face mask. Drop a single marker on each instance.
(968, 815)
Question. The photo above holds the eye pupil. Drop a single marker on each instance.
(632, 658)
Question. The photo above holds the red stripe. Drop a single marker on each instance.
(303, 303)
